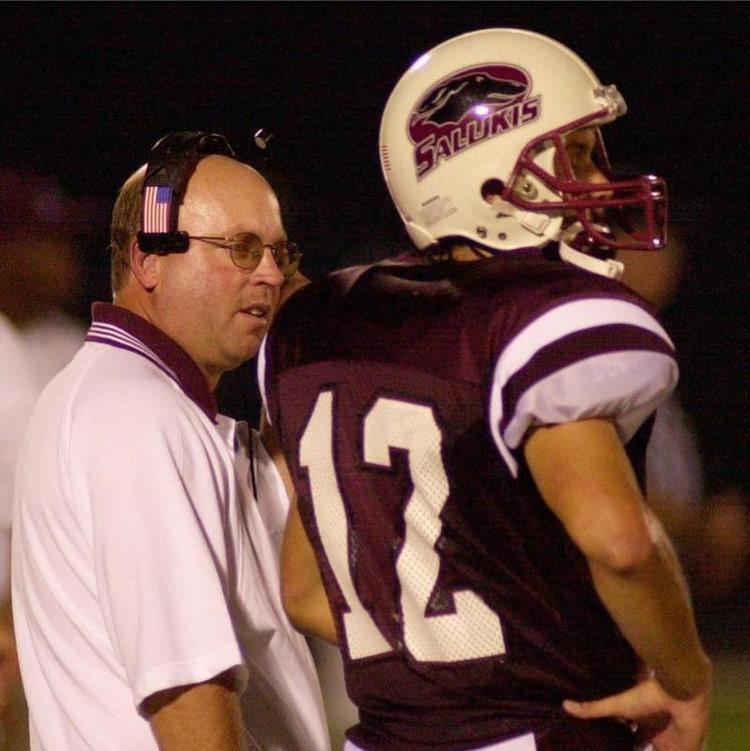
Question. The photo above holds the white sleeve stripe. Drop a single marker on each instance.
(569, 318)
(496, 417)
(559, 322)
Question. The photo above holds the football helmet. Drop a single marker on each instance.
(472, 145)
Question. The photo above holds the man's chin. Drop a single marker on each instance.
(247, 350)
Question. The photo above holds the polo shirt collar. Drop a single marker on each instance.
(121, 328)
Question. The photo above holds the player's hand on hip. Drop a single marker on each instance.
(669, 724)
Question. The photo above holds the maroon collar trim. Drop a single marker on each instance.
(121, 328)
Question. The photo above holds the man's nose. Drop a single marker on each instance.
(268, 270)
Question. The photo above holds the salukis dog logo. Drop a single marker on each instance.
(471, 106)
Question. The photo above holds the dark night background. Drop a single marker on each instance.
(87, 88)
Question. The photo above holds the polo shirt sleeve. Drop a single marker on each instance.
(154, 485)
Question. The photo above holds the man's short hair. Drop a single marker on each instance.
(126, 221)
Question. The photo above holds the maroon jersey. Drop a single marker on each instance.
(402, 393)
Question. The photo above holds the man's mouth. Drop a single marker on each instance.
(259, 310)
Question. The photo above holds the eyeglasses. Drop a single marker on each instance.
(247, 249)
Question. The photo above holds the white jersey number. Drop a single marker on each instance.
(473, 631)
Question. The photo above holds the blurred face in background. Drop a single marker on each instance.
(41, 271)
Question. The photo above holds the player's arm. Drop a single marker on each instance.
(302, 591)
(585, 477)
(197, 717)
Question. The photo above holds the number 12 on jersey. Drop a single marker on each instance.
(473, 631)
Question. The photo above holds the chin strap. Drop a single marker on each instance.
(604, 267)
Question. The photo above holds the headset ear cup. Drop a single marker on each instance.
(163, 243)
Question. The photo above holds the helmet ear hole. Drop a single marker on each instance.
(492, 188)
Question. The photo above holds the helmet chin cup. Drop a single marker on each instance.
(608, 267)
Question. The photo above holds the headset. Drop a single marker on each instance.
(171, 162)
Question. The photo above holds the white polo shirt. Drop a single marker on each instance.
(141, 559)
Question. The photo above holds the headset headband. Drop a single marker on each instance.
(170, 164)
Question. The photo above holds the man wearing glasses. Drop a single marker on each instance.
(147, 525)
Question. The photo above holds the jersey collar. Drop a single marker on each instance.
(118, 327)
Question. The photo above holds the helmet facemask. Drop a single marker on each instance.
(622, 212)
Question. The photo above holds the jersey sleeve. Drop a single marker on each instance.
(154, 487)
(584, 358)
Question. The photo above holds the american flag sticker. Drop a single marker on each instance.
(157, 200)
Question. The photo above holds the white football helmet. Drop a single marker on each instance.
(486, 113)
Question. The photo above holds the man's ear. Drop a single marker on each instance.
(145, 266)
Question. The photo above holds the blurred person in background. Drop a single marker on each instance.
(43, 280)
(711, 529)
(17, 398)
(41, 284)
